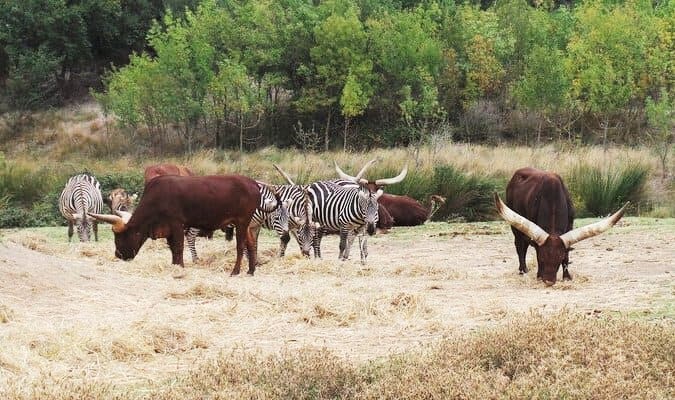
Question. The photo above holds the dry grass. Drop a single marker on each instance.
(533, 356)
(439, 311)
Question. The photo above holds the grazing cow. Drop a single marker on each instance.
(539, 209)
(119, 200)
(171, 202)
(407, 211)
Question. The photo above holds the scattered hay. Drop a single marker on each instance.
(204, 291)
(6, 314)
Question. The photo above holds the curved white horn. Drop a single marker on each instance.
(284, 174)
(396, 179)
(585, 232)
(529, 228)
(125, 215)
(118, 223)
(343, 175)
(365, 167)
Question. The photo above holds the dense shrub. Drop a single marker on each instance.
(467, 196)
(601, 191)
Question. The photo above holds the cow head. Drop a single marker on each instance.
(552, 249)
(370, 192)
(119, 200)
(127, 241)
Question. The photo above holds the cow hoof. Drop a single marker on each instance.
(234, 273)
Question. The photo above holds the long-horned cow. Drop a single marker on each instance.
(406, 211)
(172, 202)
(540, 211)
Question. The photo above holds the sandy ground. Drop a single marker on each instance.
(73, 310)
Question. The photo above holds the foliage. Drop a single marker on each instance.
(467, 196)
(601, 191)
(661, 118)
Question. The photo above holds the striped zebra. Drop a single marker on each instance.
(270, 204)
(300, 223)
(82, 194)
(350, 210)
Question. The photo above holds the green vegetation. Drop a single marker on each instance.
(602, 191)
(600, 358)
(29, 193)
(183, 75)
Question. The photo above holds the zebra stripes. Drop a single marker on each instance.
(345, 209)
(82, 194)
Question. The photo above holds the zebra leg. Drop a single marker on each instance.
(190, 237)
(363, 245)
(283, 243)
(95, 223)
(344, 244)
(317, 242)
(70, 231)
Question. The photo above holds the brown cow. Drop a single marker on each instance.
(407, 211)
(541, 215)
(156, 170)
(172, 202)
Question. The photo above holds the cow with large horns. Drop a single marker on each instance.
(406, 211)
(539, 209)
(170, 203)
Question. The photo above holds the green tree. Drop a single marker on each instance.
(606, 58)
(544, 84)
(661, 119)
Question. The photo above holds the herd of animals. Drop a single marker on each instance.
(180, 206)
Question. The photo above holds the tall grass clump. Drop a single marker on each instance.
(598, 191)
(467, 196)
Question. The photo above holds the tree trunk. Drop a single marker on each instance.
(344, 143)
(325, 135)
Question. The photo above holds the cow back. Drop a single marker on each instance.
(205, 202)
(541, 197)
(154, 171)
(404, 210)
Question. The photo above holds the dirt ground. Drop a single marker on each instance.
(73, 310)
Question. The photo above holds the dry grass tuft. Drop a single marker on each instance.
(6, 314)
(204, 291)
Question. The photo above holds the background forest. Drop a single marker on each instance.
(181, 75)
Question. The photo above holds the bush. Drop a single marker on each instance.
(467, 196)
(599, 192)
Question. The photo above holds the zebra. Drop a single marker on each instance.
(300, 223)
(81, 195)
(342, 206)
(270, 204)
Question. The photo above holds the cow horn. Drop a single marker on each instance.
(585, 232)
(125, 215)
(396, 179)
(529, 228)
(118, 223)
(284, 174)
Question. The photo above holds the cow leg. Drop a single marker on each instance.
(521, 249)
(565, 265)
(241, 235)
(176, 241)
(252, 250)
(70, 231)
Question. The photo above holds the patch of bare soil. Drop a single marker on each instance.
(75, 311)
